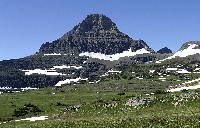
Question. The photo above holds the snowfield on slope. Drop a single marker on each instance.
(68, 81)
(40, 71)
(183, 88)
(114, 56)
(35, 118)
(184, 53)
(186, 88)
(52, 71)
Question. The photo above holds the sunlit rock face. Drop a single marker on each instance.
(96, 33)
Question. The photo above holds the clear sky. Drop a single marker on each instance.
(26, 24)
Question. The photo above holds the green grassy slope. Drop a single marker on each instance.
(178, 109)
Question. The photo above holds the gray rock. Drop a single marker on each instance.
(97, 33)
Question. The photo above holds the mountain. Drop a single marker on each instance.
(88, 51)
(189, 50)
(61, 59)
(98, 34)
(187, 44)
(164, 50)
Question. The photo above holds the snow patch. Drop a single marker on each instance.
(68, 81)
(177, 70)
(183, 71)
(114, 56)
(172, 69)
(112, 71)
(35, 118)
(183, 88)
(64, 66)
(186, 88)
(184, 53)
(39, 71)
(52, 71)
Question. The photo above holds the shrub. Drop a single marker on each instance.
(160, 92)
(60, 104)
(20, 112)
(28, 108)
(121, 93)
(29, 105)
(36, 109)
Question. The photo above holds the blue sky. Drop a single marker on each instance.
(26, 24)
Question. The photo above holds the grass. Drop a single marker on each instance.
(93, 98)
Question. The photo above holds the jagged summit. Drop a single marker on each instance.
(95, 22)
(96, 33)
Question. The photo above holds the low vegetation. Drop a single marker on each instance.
(118, 100)
(85, 105)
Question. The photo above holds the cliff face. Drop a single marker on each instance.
(97, 33)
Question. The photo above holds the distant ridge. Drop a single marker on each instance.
(164, 50)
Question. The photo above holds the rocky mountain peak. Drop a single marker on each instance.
(95, 22)
(96, 33)
(164, 50)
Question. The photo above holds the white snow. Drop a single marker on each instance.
(112, 71)
(68, 81)
(28, 88)
(151, 71)
(177, 70)
(52, 71)
(182, 88)
(172, 69)
(64, 66)
(197, 69)
(184, 53)
(183, 71)
(35, 118)
(189, 87)
(40, 71)
(114, 56)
